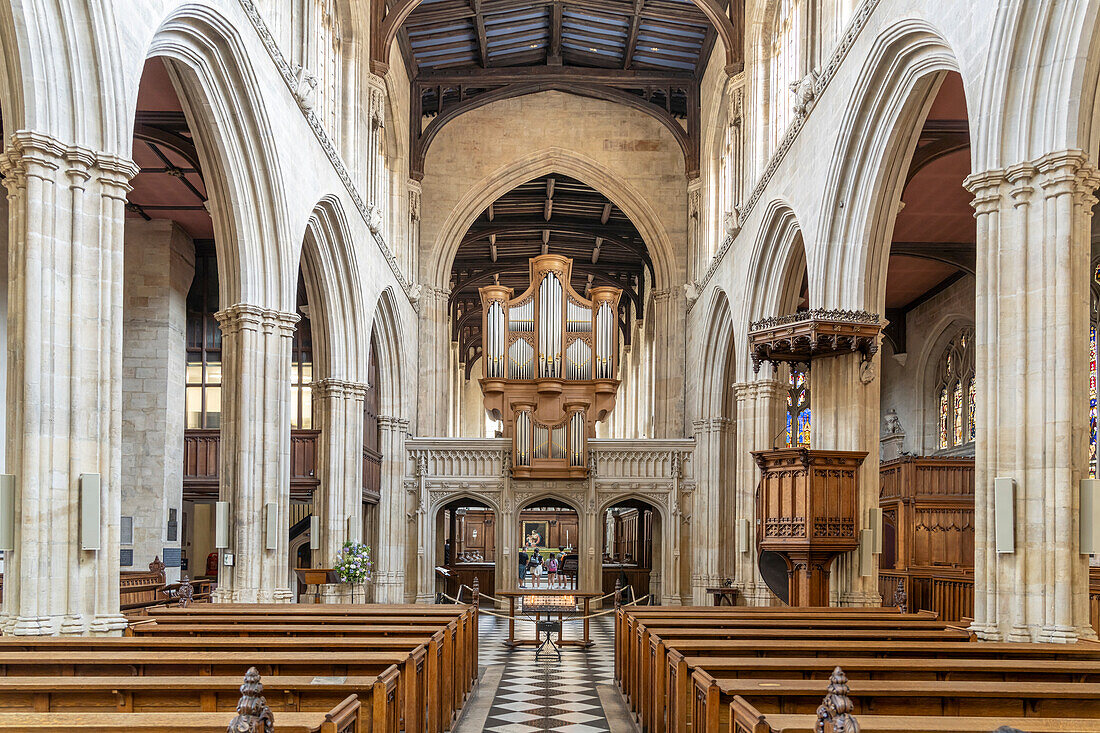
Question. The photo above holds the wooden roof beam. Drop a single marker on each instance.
(482, 38)
(632, 39)
(553, 57)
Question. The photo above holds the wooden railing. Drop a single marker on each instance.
(201, 450)
(948, 591)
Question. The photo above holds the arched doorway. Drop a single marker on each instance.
(631, 554)
(466, 548)
(549, 532)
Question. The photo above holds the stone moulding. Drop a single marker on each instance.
(821, 82)
(799, 338)
(293, 82)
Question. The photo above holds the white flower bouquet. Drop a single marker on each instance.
(354, 563)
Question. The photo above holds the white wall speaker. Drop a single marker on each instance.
(354, 526)
(1090, 516)
(866, 552)
(7, 511)
(271, 526)
(874, 523)
(314, 532)
(742, 535)
(91, 504)
(1004, 514)
(221, 525)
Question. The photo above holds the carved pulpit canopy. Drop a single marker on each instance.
(551, 367)
(801, 337)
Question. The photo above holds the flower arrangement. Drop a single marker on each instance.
(354, 564)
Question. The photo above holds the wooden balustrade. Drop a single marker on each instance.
(201, 458)
(372, 475)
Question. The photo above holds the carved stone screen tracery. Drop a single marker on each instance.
(551, 360)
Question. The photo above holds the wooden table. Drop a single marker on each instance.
(585, 600)
(729, 595)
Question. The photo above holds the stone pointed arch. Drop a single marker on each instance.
(1056, 104)
(222, 101)
(719, 354)
(666, 262)
(895, 88)
(332, 278)
(393, 372)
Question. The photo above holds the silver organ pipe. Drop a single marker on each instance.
(579, 361)
(542, 441)
(523, 438)
(557, 442)
(494, 340)
(605, 333)
(520, 356)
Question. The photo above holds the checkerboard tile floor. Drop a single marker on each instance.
(547, 695)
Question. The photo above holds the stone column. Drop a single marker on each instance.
(669, 363)
(434, 377)
(708, 535)
(393, 520)
(1031, 341)
(65, 336)
(255, 452)
(844, 400)
(159, 267)
(338, 501)
(761, 409)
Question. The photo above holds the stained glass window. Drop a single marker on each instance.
(957, 392)
(798, 410)
(971, 407)
(943, 418)
(1092, 402)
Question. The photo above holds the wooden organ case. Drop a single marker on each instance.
(551, 366)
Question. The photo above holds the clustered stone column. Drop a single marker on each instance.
(393, 520)
(255, 451)
(434, 378)
(1031, 340)
(669, 349)
(66, 222)
(713, 517)
(844, 401)
(338, 501)
(760, 416)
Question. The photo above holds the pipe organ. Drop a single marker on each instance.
(551, 365)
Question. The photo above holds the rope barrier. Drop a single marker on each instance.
(527, 617)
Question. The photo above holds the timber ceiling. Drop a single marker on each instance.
(644, 54)
(553, 214)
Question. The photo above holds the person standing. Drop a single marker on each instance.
(552, 571)
(524, 559)
(536, 567)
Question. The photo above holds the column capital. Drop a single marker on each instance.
(243, 316)
(395, 424)
(40, 153)
(758, 388)
(712, 425)
(332, 387)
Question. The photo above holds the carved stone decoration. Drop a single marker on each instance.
(802, 337)
(305, 84)
(835, 712)
(804, 94)
(253, 714)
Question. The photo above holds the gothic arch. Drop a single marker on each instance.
(222, 101)
(392, 393)
(719, 353)
(893, 93)
(442, 501)
(1054, 107)
(544, 162)
(947, 327)
(332, 281)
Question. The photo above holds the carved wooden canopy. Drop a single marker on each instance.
(801, 337)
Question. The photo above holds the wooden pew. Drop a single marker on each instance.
(201, 694)
(932, 698)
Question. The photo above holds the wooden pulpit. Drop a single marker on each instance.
(807, 507)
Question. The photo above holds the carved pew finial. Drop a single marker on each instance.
(253, 714)
(834, 715)
(187, 592)
(618, 592)
(901, 598)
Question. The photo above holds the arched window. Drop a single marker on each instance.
(956, 392)
(204, 343)
(785, 63)
(798, 408)
(301, 366)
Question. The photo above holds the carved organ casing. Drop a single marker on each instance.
(551, 362)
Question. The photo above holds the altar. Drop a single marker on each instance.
(549, 604)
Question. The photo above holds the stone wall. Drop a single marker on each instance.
(159, 266)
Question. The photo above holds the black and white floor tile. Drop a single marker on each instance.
(545, 694)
